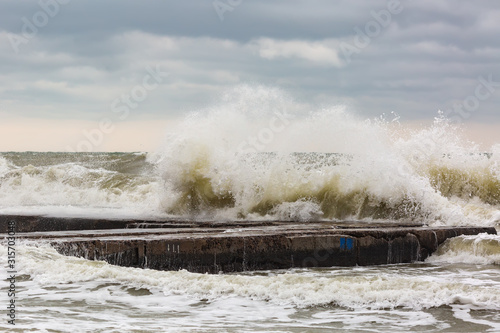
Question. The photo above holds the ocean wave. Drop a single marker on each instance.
(259, 154)
(255, 156)
(375, 289)
(59, 180)
(482, 249)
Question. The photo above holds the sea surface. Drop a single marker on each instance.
(233, 162)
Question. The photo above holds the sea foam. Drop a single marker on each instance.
(260, 154)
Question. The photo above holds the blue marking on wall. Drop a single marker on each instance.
(346, 244)
(349, 244)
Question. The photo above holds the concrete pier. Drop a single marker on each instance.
(231, 246)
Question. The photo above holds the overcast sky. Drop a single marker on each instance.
(67, 65)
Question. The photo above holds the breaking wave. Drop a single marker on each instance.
(255, 155)
(98, 180)
(348, 288)
(259, 154)
(483, 249)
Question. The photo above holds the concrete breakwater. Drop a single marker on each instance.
(232, 246)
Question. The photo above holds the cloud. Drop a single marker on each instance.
(323, 53)
(428, 58)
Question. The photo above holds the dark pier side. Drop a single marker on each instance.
(214, 246)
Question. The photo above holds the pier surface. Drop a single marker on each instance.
(232, 246)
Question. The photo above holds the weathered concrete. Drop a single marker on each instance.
(215, 246)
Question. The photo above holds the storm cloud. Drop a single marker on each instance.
(72, 59)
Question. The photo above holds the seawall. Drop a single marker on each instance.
(232, 246)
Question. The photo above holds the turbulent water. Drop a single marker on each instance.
(258, 154)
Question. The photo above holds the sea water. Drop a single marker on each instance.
(258, 154)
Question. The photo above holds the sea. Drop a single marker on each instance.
(258, 155)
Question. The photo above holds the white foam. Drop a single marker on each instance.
(4, 166)
(216, 154)
(72, 189)
(482, 249)
(463, 312)
(296, 288)
(260, 154)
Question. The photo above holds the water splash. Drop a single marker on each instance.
(227, 162)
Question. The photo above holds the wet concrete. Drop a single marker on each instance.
(231, 246)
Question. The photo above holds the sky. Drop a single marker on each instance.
(115, 75)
